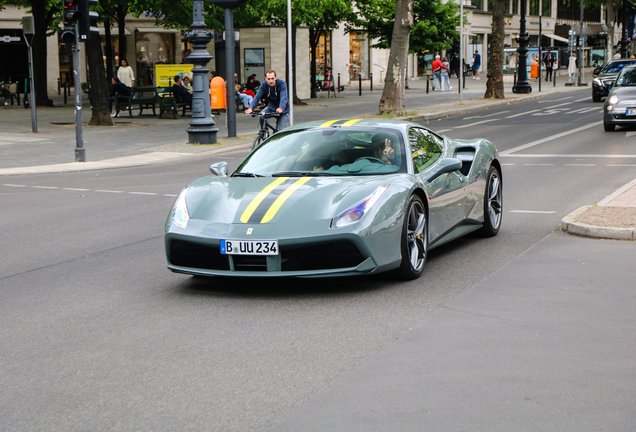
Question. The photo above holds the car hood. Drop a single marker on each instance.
(624, 92)
(276, 199)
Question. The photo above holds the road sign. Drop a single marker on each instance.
(10, 39)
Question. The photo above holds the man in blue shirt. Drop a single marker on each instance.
(476, 65)
(274, 90)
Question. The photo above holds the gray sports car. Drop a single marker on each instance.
(336, 198)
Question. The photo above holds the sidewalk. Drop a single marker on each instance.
(148, 140)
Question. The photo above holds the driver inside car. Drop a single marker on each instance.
(385, 149)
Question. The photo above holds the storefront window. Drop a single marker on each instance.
(152, 49)
(114, 43)
(534, 8)
(358, 56)
(546, 8)
(323, 56)
(477, 4)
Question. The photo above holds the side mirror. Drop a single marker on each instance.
(444, 166)
(219, 169)
(597, 70)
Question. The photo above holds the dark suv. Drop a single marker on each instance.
(604, 81)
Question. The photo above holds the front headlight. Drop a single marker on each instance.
(354, 213)
(598, 82)
(180, 216)
(613, 100)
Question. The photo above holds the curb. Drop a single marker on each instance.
(571, 225)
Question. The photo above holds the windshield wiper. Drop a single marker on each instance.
(301, 173)
(246, 174)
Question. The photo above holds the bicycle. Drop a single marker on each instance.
(264, 133)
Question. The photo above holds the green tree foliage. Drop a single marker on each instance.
(435, 23)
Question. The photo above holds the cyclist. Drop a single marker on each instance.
(274, 90)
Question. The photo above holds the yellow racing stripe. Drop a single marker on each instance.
(273, 209)
(260, 197)
(329, 123)
(350, 122)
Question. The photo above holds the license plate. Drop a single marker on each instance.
(249, 247)
(631, 111)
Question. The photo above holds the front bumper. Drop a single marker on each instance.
(600, 90)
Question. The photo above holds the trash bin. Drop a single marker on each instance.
(217, 93)
(534, 69)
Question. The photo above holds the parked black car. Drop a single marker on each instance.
(604, 81)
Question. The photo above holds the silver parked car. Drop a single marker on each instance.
(620, 106)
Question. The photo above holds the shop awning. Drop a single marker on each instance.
(555, 37)
(594, 29)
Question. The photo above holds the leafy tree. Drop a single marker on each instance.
(392, 100)
(495, 85)
(434, 28)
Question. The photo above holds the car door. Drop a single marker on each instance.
(446, 192)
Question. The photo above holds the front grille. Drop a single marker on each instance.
(194, 255)
(249, 263)
(323, 256)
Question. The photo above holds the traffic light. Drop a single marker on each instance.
(87, 19)
(69, 12)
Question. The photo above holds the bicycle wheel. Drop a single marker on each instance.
(257, 141)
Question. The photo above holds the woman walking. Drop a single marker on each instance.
(444, 74)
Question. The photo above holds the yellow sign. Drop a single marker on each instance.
(165, 73)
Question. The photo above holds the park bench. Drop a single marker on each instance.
(168, 103)
(141, 98)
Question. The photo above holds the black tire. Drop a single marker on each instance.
(257, 141)
(414, 245)
(493, 204)
(609, 127)
(596, 98)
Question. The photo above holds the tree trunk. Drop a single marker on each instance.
(314, 38)
(41, 23)
(121, 23)
(296, 99)
(611, 23)
(495, 85)
(109, 50)
(99, 85)
(392, 100)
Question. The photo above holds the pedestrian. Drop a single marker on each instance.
(444, 72)
(476, 65)
(274, 90)
(549, 65)
(179, 92)
(454, 66)
(437, 72)
(572, 67)
(125, 73)
(120, 93)
(186, 83)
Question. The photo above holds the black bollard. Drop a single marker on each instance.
(338, 82)
(359, 85)
(554, 73)
(371, 81)
(514, 81)
(59, 87)
(65, 90)
(428, 80)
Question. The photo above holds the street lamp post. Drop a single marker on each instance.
(201, 128)
(522, 85)
(624, 41)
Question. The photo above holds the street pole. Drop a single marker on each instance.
(580, 39)
(28, 29)
(290, 84)
(229, 73)
(541, 55)
(80, 151)
(624, 41)
(201, 128)
(522, 85)
(461, 50)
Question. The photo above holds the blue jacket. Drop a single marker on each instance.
(276, 96)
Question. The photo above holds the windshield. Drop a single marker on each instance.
(616, 66)
(327, 152)
(627, 78)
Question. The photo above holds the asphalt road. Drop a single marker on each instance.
(96, 334)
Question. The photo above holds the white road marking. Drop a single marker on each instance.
(532, 211)
(558, 100)
(581, 100)
(89, 190)
(474, 124)
(439, 131)
(553, 111)
(550, 138)
(539, 164)
(619, 165)
(559, 105)
(14, 185)
(485, 116)
(523, 113)
(108, 191)
(503, 164)
(45, 187)
(577, 156)
(142, 193)
(581, 165)
(76, 189)
(169, 195)
(585, 110)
